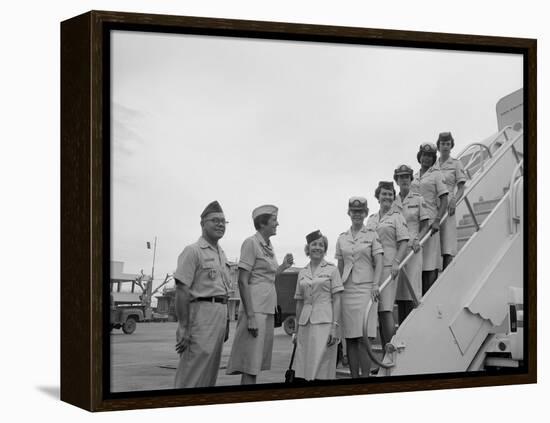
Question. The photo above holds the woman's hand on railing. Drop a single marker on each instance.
(435, 225)
(452, 206)
(394, 269)
(415, 245)
(375, 294)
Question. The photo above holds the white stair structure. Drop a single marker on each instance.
(458, 322)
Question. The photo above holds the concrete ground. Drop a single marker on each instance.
(146, 360)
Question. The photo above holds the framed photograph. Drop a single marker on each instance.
(255, 211)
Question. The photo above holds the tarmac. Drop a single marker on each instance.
(146, 359)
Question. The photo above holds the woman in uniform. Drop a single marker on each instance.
(411, 206)
(454, 178)
(318, 310)
(253, 344)
(428, 182)
(394, 235)
(359, 254)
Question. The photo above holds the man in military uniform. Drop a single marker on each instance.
(202, 283)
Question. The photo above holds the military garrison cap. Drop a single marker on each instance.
(213, 207)
(313, 236)
(265, 209)
(386, 185)
(445, 136)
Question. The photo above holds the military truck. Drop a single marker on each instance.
(127, 308)
(130, 298)
(285, 285)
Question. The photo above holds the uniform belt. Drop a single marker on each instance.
(222, 300)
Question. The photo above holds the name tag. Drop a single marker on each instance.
(324, 276)
(210, 259)
(413, 207)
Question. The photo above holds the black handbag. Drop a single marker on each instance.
(289, 374)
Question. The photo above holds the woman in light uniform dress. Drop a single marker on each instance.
(454, 178)
(393, 234)
(411, 206)
(318, 291)
(428, 182)
(253, 344)
(359, 254)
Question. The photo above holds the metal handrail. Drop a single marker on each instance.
(502, 150)
(482, 146)
(475, 144)
(474, 156)
(479, 144)
(516, 216)
(498, 134)
(513, 202)
(381, 288)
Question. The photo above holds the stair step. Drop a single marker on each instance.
(482, 206)
(467, 218)
(466, 228)
(465, 231)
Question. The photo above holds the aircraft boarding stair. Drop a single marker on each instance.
(461, 320)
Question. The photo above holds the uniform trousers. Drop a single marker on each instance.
(200, 361)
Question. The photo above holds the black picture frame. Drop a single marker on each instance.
(85, 225)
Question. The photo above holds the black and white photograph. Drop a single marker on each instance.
(292, 210)
(296, 212)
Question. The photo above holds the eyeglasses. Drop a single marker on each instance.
(217, 221)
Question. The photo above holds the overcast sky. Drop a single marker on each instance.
(300, 125)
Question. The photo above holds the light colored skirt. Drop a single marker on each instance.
(431, 253)
(354, 303)
(251, 354)
(200, 362)
(314, 359)
(448, 236)
(412, 271)
(387, 296)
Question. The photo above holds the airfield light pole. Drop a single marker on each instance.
(154, 254)
(150, 284)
